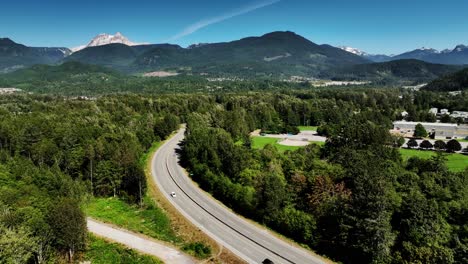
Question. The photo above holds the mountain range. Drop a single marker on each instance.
(455, 56)
(277, 54)
(15, 56)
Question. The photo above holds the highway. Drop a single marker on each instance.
(250, 242)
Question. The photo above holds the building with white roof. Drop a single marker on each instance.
(440, 130)
(434, 111)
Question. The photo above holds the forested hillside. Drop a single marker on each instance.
(397, 71)
(453, 82)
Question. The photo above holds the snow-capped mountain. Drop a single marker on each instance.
(353, 50)
(371, 57)
(105, 39)
(460, 48)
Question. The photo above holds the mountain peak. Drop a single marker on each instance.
(281, 34)
(106, 39)
(460, 47)
(428, 50)
(7, 41)
(353, 50)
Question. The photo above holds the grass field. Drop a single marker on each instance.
(148, 220)
(303, 128)
(100, 251)
(455, 162)
(261, 142)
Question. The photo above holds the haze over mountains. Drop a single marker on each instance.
(276, 54)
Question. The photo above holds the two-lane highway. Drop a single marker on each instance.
(248, 241)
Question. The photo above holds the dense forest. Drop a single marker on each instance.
(355, 194)
(454, 82)
(54, 152)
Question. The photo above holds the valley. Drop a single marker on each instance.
(233, 132)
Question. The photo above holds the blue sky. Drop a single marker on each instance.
(375, 26)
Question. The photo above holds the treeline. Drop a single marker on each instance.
(354, 200)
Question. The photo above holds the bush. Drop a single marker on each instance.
(426, 144)
(197, 249)
(440, 145)
(412, 143)
(453, 145)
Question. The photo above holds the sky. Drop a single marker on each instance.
(374, 26)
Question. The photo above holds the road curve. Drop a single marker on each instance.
(138, 242)
(248, 241)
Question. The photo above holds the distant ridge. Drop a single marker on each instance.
(15, 56)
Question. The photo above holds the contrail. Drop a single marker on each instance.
(210, 21)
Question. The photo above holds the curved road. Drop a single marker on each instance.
(246, 240)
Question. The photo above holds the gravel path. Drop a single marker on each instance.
(138, 242)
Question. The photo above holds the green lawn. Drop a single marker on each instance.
(303, 128)
(260, 142)
(149, 220)
(100, 251)
(455, 162)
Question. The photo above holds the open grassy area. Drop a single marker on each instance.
(455, 162)
(307, 128)
(260, 142)
(149, 219)
(100, 251)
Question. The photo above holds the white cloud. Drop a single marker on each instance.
(210, 21)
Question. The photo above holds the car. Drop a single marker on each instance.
(173, 194)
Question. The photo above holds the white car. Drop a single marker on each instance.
(173, 194)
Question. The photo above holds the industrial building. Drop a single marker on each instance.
(439, 130)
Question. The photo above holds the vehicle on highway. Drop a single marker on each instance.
(173, 194)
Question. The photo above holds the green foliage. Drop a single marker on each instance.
(440, 145)
(102, 252)
(453, 146)
(17, 245)
(68, 224)
(412, 143)
(197, 249)
(419, 131)
(397, 71)
(426, 144)
(454, 82)
(350, 199)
